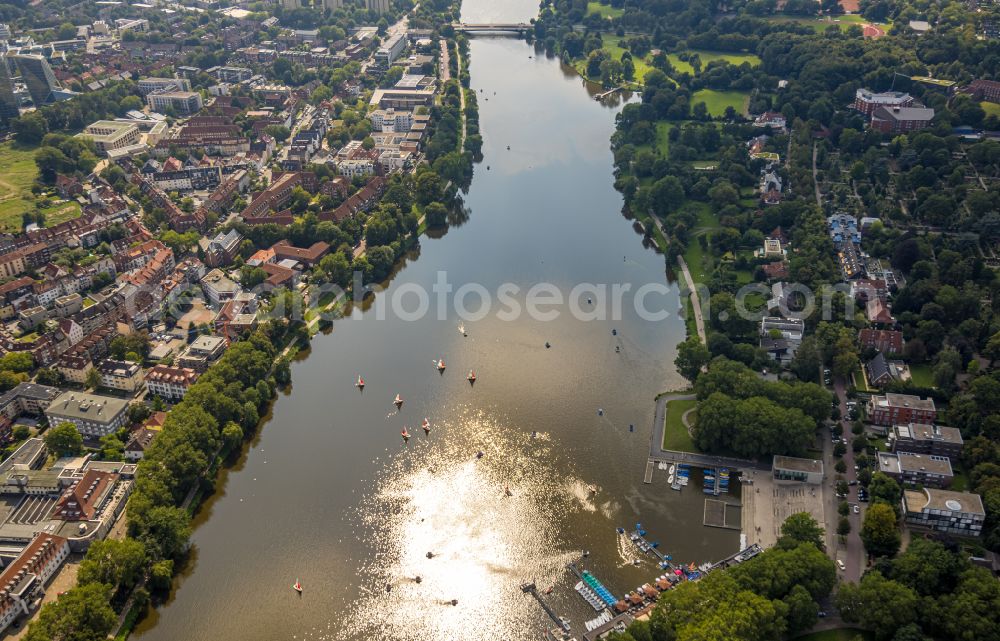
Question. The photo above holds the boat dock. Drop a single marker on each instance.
(529, 588)
(646, 546)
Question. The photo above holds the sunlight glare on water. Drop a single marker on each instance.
(437, 497)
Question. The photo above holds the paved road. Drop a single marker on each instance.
(689, 282)
(852, 553)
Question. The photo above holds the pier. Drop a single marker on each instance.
(646, 546)
(529, 588)
(601, 96)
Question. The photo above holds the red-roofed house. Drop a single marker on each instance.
(170, 382)
(284, 250)
(888, 341)
(28, 573)
(82, 500)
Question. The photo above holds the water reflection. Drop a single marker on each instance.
(437, 497)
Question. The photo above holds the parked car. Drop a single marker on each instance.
(857, 509)
(852, 482)
(840, 564)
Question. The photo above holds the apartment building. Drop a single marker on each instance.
(94, 416)
(893, 409)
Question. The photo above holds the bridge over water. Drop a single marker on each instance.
(497, 27)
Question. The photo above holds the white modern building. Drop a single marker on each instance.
(111, 134)
(183, 103)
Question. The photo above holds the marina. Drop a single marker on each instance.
(616, 613)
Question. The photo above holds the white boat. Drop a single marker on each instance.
(472, 376)
(361, 383)
(440, 365)
(673, 468)
(297, 586)
(670, 479)
(398, 402)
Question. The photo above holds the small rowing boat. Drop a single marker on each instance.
(360, 384)
(426, 425)
(398, 402)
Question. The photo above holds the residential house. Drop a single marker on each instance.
(137, 444)
(781, 337)
(888, 341)
(881, 371)
(878, 313)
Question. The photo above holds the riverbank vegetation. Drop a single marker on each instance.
(772, 596)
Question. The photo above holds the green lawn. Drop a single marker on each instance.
(860, 381)
(959, 482)
(706, 217)
(922, 375)
(823, 23)
(18, 175)
(699, 261)
(675, 435)
(711, 56)
(611, 46)
(717, 101)
(991, 108)
(605, 11)
(840, 634)
(663, 137)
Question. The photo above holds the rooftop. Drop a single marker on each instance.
(925, 432)
(798, 464)
(905, 462)
(904, 400)
(943, 500)
(87, 407)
